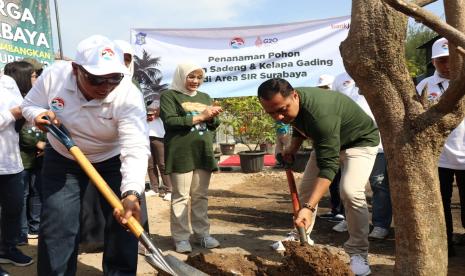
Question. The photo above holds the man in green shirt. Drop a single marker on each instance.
(343, 135)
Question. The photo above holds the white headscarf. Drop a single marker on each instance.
(127, 49)
(180, 77)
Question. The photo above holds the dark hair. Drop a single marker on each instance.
(21, 72)
(271, 87)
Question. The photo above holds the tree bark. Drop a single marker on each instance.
(413, 136)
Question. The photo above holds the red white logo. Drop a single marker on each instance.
(107, 53)
(57, 104)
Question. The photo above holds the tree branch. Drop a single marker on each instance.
(456, 90)
(422, 3)
(429, 19)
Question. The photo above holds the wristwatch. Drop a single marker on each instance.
(308, 206)
(132, 192)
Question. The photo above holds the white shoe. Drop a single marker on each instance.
(32, 236)
(142, 250)
(359, 265)
(183, 247)
(151, 193)
(167, 197)
(209, 242)
(378, 233)
(291, 236)
(341, 226)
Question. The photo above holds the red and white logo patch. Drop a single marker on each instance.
(57, 104)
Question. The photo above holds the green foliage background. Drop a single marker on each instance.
(417, 34)
(245, 119)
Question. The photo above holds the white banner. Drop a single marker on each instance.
(238, 60)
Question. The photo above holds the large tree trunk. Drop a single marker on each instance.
(421, 247)
(374, 56)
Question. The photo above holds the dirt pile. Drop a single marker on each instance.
(297, 260)
(312, 260)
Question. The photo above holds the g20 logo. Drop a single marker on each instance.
(259, 42)
(270, 40)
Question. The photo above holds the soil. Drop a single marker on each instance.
(248, 212)
(297, 260)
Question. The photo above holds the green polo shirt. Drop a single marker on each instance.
(187, 146)
(334, 122)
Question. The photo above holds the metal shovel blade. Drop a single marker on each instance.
(167, 263)
(179, 267)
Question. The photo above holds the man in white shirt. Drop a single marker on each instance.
(11, 183)
(105, 115)
(157, 159)
(381, 200)
(452, 158)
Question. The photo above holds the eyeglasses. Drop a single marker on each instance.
(98, 80)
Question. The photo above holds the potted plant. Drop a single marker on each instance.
(225, 128)
(249, 124)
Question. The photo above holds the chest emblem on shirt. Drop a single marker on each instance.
(433, 96)
(57, 104)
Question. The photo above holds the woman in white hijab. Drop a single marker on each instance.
(190, 120)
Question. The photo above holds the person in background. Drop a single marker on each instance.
(190, 119)
(11, 181)
(32, 144)
(452, 158)
(337, 207)
(283, 137)
(128, 53)
(105, 115)
(325, 82)
(343, 134)
(157, 158)
(379, 182)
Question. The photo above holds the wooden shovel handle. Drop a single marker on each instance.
(292, 188)
(104, 189)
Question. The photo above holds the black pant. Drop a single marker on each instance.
(11, 199)
(63, 186)
(336, 203)
(446, 179)
(157, 163)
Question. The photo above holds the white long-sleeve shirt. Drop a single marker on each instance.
(10, 158)
(453, 153)
(101, 128)
(343, 83)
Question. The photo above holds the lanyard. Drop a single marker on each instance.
(441, 87)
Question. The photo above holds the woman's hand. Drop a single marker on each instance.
(16, 112)
(210, 112)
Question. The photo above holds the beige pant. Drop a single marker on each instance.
(356, 165)
(194, 184)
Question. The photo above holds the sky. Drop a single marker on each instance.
(115, 18)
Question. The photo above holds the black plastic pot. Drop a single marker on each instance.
(227, 149)
(267, 148)
(300, 160)
(252, 161)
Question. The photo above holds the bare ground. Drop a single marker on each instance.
(248, 212)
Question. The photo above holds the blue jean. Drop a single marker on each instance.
(11, 198)
(381, 201)
(63, 186)
(30, 217)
